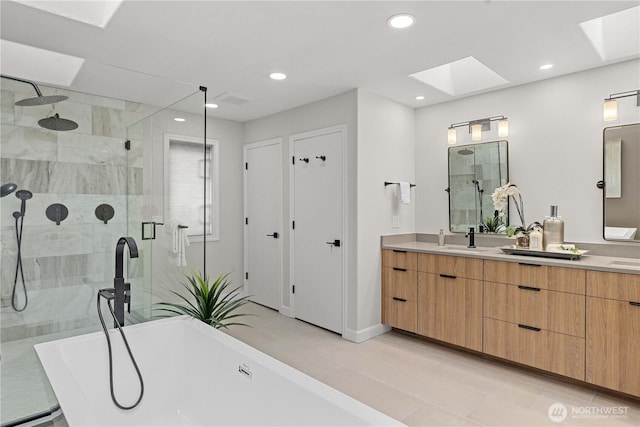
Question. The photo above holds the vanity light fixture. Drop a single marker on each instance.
(476, 127)
(610, 106)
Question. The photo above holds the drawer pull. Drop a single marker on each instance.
(399, 251)
(530, 328)
(526, 264)
(528, 288)
(635, 304)
(399, 299)
(448, 276)
(399, 269)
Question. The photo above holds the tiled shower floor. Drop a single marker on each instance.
(416, 382)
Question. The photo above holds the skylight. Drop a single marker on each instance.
(97, 13)
(460, 77)
(616, 35)
(37, 64)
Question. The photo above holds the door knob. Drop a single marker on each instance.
(335, 243)
(274, 235)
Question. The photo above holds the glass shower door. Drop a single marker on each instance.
(153, 222)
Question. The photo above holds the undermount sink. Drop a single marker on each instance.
(463, 249)
(632, 264)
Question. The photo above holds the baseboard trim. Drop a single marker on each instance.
(365, 334)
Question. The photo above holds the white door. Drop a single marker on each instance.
(318, 244)
(263, 222)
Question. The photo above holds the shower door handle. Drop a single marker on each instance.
(150, 226)
(275, 235)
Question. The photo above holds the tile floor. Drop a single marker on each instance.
(425, 384)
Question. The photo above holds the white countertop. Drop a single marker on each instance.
(587, 262)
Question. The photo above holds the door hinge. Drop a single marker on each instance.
(246, 221)
(246, 275)
(293, 160)
(293, 289)
(293, 225)
(127, 145)
(246, 166)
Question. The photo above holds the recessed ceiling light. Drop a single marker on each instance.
(546, 66)
(211, 105)
(278, 76)
(401, 20)
(419, 97)
(179, 119)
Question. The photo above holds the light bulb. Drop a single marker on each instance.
(610, 110)
(476, 132)
(503, 128)
(451, 136)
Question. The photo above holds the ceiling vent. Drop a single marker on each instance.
(232, 98)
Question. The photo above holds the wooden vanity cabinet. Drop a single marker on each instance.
(399, 289)
(450, 299)
(535, 315)
(613, 331)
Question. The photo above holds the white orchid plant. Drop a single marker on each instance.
(500, 199)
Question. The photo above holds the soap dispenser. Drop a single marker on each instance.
(441, 238)
(553, 229)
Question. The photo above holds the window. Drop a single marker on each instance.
(185, 168)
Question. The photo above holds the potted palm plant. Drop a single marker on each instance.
(211, 303)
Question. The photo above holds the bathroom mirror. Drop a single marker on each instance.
(475, 171)
(621, 183)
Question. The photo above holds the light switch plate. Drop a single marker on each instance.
(396, 221)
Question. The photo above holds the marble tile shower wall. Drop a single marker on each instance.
(65, 264)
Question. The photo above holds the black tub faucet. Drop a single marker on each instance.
(472, 237)
(122, 289)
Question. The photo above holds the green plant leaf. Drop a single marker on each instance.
(211, 303)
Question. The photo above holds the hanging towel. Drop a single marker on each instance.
(175, 241)
(404, 192)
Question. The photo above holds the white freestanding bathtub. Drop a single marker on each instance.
(194, 375)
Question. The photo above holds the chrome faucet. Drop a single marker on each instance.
(472, 237)
(122, 289)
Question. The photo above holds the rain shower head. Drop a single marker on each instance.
(55, 122)
(41, 100)
(7, 189)
(38, 100)
(465, 152)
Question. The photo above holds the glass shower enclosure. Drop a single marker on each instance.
(76, 192)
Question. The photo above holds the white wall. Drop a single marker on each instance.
(386, 152)
(339, 109)
(555, 145)
(226, 254)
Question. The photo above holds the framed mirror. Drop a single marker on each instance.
(621, 183)
(475, 171)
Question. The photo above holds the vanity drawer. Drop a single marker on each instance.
(399, 259)
(401, 314)
(618, 286)
(560, 312)
(513, 273)
(399, 283)
(455, 266)
(559, 353)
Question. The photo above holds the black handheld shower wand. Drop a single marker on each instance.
(23, 195)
